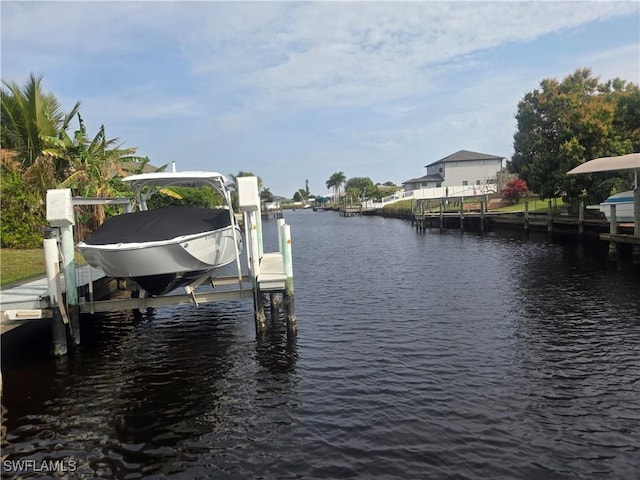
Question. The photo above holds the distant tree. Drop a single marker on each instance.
(301, 196)
(564, 124)
(266, 195)
(514, 190)
(335, 182)
(358, 187)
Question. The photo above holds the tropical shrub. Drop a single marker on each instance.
(514, 190)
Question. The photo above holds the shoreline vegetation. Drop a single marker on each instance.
(22, 265)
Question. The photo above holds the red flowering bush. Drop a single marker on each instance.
(514, 190)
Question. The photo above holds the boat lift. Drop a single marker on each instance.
(268, 273)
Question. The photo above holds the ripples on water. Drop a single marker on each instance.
(418, 356)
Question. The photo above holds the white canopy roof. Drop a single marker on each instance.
(164, 179)
(606, 164)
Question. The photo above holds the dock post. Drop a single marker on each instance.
(259, 230)
(581, 218)
(482, 207)
(613, 230)
(526, 215)
(441, 215)
(461, 216)
(288, 300)
(69, 266)
(249, 204)
(258, 300)
(635, 250)
(549, 217)
(58, 329)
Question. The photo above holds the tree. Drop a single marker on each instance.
(266, 195)
(563, 124)
(360, 186)
(96, 165)
(336, 181)
(29, 116)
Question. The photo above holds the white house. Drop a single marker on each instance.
(470, 171)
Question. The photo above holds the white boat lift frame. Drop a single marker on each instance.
(268, 273)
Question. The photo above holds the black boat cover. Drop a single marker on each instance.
(159, 224)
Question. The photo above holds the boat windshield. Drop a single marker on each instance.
(148, 184)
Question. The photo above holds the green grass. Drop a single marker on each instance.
(20, 264)
(535, 205)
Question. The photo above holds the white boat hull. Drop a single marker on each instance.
(159, 267)
(624, 206)
(204, 251)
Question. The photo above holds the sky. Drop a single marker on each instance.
(295, 91)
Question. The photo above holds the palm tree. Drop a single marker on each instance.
(335, 182)
(28, 117)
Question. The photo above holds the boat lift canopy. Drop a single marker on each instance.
(630, 161)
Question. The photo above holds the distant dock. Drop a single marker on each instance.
(480, 220)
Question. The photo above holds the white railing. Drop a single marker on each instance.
(431, 193)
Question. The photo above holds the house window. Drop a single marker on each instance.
(464, 183)
(440, 170)
(477, 182)
(438, 184)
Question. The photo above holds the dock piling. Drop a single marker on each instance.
(613, 230)
(289, 302)
(58, 328)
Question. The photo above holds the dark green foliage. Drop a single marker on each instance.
(564, 124)
(22, 222)
(186, 196)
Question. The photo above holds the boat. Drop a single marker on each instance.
(170, 247)
(624, 206)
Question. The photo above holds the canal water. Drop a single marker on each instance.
(419, 355)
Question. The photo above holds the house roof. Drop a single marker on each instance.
(426, 178)
(466, 155)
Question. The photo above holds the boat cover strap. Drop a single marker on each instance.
(159, 224)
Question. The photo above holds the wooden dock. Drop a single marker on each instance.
(552, 222)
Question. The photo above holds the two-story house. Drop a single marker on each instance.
(460, 169)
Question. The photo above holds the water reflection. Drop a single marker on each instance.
(418, 355)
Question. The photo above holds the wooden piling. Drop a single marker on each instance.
(441, 215)
(461, 215)
(526, 215)
(581, 218)
(613, 230)
(549, 217)
(635, 250)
